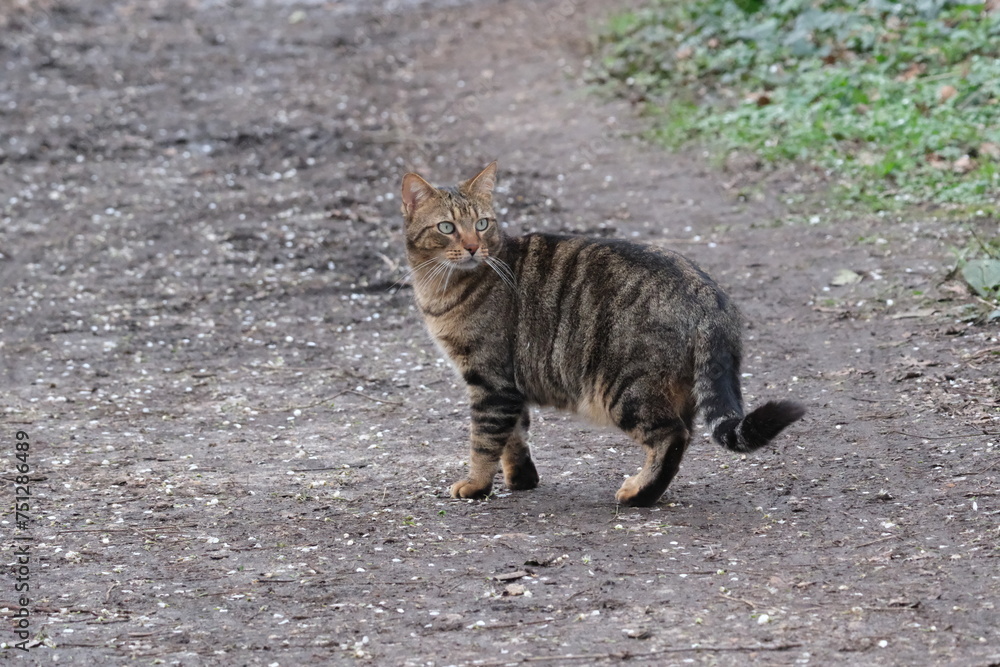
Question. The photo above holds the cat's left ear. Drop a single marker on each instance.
(483, 183)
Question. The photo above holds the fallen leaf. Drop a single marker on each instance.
(867, 158)
(946, 92)
(912, 72)
(684, 53)
(955, 287)
(901, 602)
(964, 165)
(637, 633)
(845, 277)
(761, 99)
(907, 360)
(514, 589)
(514, 536)
(989, 148)
(937, 162)
(841, 313)
(449, 622)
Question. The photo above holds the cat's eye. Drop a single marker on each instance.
(482, 224)
(446, 227)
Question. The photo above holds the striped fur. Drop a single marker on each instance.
(627, 335)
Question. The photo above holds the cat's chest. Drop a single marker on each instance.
(445, 329)
(457, 316)
(472, 322)
(452, 341)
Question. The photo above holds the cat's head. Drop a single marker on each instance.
(453, 227)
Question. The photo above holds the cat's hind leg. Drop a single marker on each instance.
(664, 436)
(665, 444)
(518, 469)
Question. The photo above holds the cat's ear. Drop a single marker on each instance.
(415, 192)
(484, 181)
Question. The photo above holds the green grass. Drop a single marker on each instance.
(900, 102)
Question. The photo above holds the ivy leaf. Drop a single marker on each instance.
(760, 32)
(983, 275)
(750, 6)
(799, 45)
(845, 277)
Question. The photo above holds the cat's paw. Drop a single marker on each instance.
(523, 477)
(634, 494)
(464, 488)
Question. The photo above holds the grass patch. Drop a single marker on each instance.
(899, 101)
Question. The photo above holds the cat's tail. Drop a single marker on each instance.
(745, 434)
(717, 386)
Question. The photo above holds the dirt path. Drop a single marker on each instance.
(241, 439)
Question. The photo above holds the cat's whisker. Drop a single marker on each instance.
(503, 271)
(441, 271)
(410, 273)
(447, 277)
(422, 265)
(506, 268)
(445, 270)
(500, 274)
(430, 277)
(421, 281)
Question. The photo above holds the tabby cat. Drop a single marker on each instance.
(625, 334)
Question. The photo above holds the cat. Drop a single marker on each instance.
(625, 334)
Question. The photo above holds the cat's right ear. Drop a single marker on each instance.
(415, 192)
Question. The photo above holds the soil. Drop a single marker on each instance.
(241, 438)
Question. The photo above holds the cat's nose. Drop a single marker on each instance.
(472, 248)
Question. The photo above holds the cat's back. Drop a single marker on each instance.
(590, 309)
(617, 273)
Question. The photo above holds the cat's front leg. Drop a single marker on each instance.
(518, 469)
(499, 422)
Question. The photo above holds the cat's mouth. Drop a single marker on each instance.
(469, 263)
